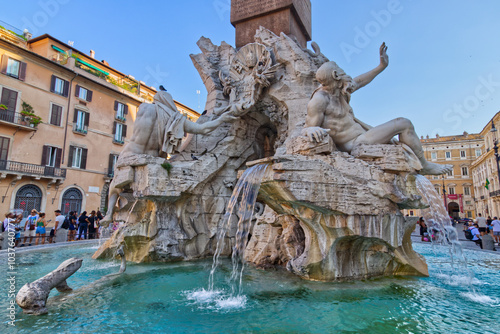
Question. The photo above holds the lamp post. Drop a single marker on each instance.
(495, 147)
(444, 196)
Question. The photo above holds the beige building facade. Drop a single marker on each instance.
(87, 110)
(485, 168)
(455, 188)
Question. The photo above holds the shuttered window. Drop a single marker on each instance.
(77, 157)
(59, 86)
(13, 68)
(51, 156)
(83, 93)
(4, 148)
(56, 115)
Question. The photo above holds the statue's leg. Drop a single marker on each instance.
(112, 199)
(403, 127)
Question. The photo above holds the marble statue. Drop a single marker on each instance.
(329, 113)
(158, 131)
(329, 214)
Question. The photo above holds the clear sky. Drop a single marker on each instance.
(444, 56)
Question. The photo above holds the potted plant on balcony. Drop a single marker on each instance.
(3, 107)
(29, 115)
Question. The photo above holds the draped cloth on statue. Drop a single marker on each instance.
(170, 123)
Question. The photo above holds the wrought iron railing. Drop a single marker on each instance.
(21, 167)
(494, 193)
(118, 140)
(15, 118)
(82, 129)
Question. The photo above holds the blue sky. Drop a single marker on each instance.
(444, 71)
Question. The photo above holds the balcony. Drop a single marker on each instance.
(120, 118)
(495, 193)
(17, 120)
(118, 141)
(37, 172)
(80, 129)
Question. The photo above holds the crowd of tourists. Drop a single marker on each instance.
(485, 232)
(37, 229)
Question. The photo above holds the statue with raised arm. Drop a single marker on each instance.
(158, 131)
(329, 113)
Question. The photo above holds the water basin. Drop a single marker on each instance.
(171, 298)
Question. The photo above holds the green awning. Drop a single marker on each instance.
(92, 66)
(60, 50)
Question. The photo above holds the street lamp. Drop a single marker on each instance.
(495, 147)
(444, 195)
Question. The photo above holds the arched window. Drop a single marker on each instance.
(28, 197)
(71, 201)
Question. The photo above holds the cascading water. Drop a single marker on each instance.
(440, 228)
(241, 204)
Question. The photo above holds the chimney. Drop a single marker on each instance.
(437, 135)
(427, 137)
(92, 53)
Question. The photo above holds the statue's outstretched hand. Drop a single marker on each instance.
(315, 133)
(384, 58)
(228, 117)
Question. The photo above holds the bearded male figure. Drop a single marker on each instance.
(329, 113)
(158, 131)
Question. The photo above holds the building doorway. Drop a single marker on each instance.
(454, 210)
(71, 201)
(28, 197)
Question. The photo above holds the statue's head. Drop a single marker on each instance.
(164, 98)
(331, 75)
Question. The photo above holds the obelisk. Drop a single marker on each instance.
(292, 17)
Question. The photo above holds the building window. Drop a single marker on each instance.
(71, 201)
(437, 190)
(56, 115)
(467, 190)
(121, 111)
(411, 213)
(465, 171)
(113, 158)
(462, 154)
(81, 121)
(448, 155)
(59, 86)
(83, 93)
(13, 68)
(478, 152)
(77, 157)
(469, 214)
(450, 173)
(120, 132)
(433, 155)
(9, 99)
(28, 197)
(451, 190)
(51, 156)
(4, 148)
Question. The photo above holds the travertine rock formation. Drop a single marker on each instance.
(328, 215)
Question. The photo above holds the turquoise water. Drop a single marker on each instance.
(168, 298)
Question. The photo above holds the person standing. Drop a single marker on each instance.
(423, 229)
(72, 226)
(481, 223)
(99, 217)
(83, 224)
(496, 230)
(30, 227)
(40, 228)
(58, 225)
(92, 220)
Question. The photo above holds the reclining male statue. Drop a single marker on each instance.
(158, 131)
(329, 113)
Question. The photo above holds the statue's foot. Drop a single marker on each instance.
(431, 168)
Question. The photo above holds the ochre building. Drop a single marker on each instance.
(64, 119)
